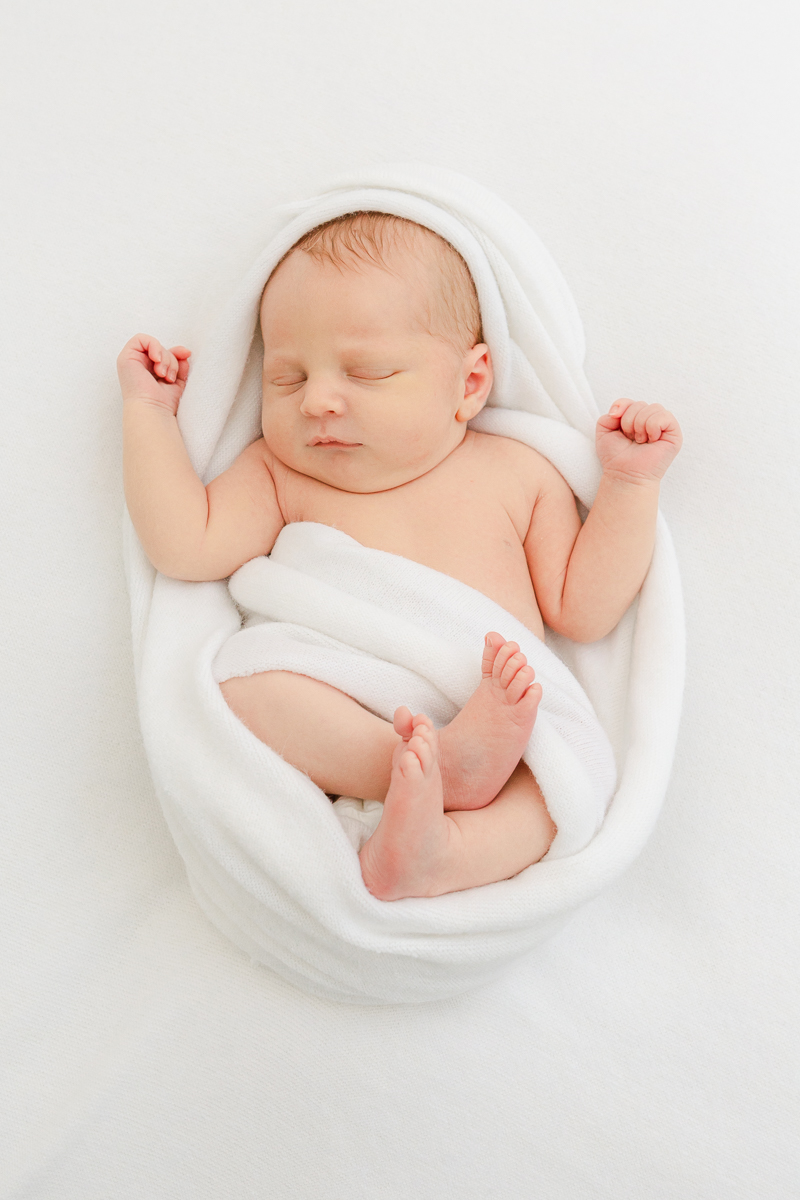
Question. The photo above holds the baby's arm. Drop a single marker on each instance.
(586, 577)
(188, 531)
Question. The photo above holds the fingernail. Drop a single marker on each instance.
(614, 408)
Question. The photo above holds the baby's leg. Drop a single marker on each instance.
(348, 751)
(344, 749)
(419, 850)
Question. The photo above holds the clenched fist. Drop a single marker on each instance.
(637, 441)
(149, 372)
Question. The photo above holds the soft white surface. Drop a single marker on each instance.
(651, 1049)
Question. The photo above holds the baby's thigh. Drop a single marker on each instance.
(270, 701)
(343, 748)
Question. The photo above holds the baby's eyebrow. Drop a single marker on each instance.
(372, 358)
(279, 360)
(375, 351)
(357, 345)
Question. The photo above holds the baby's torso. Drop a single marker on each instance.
(467, 518)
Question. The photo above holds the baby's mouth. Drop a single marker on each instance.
(334, 442)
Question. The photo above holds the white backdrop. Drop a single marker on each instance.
(651, 1049)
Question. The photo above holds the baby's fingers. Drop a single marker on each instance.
(167, 368)
(668, 429)
(160, 358)
(165, 364)
(608, 421)
(613, 418)
(655, 424)
(181, 371)
(629, 418)
(640, 429)
(152, 348)
(142, 348)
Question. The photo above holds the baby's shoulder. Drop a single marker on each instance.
(512, 458)
(259, 457)
(251, 473)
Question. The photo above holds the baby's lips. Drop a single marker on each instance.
(331, 441)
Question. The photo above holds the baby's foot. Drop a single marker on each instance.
(408, 853)
(481, 746)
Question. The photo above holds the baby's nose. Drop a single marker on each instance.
(321, 396)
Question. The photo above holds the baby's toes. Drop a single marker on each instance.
(420, 722)
(492, 643)
(531, 699)
(512, 668)
(421, 745)
(519, 684)
(506, 652)
(398, 752)
(409, 764)
(403, 722)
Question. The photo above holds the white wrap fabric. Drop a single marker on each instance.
(266, 857)
(385, 630)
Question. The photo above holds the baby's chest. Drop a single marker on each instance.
(464, 530)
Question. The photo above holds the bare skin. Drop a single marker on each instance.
(365, 429)
(419, 850)
(476, 821)
(351, 752)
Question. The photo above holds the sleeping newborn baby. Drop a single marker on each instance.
(374, 364)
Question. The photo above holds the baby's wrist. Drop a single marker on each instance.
(134, 403)
(625, 481)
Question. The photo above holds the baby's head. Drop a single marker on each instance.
(373, 352)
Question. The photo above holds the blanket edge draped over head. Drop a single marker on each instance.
(266, 857)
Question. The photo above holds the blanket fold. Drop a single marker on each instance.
(266, 856)
(410, 635)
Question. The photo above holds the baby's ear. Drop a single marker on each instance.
(478, 378)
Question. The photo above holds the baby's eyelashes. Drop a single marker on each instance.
(360, 374)
(288, 381)
(367, 373)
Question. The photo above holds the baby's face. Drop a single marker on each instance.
(356, 393)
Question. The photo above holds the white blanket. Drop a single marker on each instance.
(388, 631)
(265, 855)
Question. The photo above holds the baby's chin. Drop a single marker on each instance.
(351, 470)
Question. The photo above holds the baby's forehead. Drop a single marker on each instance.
(380, 243)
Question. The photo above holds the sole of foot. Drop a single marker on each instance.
(482, 745)
(407, 854)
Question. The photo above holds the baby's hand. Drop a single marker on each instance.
(637, 441)
(149, 372)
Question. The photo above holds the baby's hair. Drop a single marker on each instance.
(367, 237)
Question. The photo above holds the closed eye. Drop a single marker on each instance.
(366, 374)
(288, 380)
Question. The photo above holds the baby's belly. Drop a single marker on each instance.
(487, 555)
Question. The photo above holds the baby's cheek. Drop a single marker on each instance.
(402, 436)
(276, 431)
